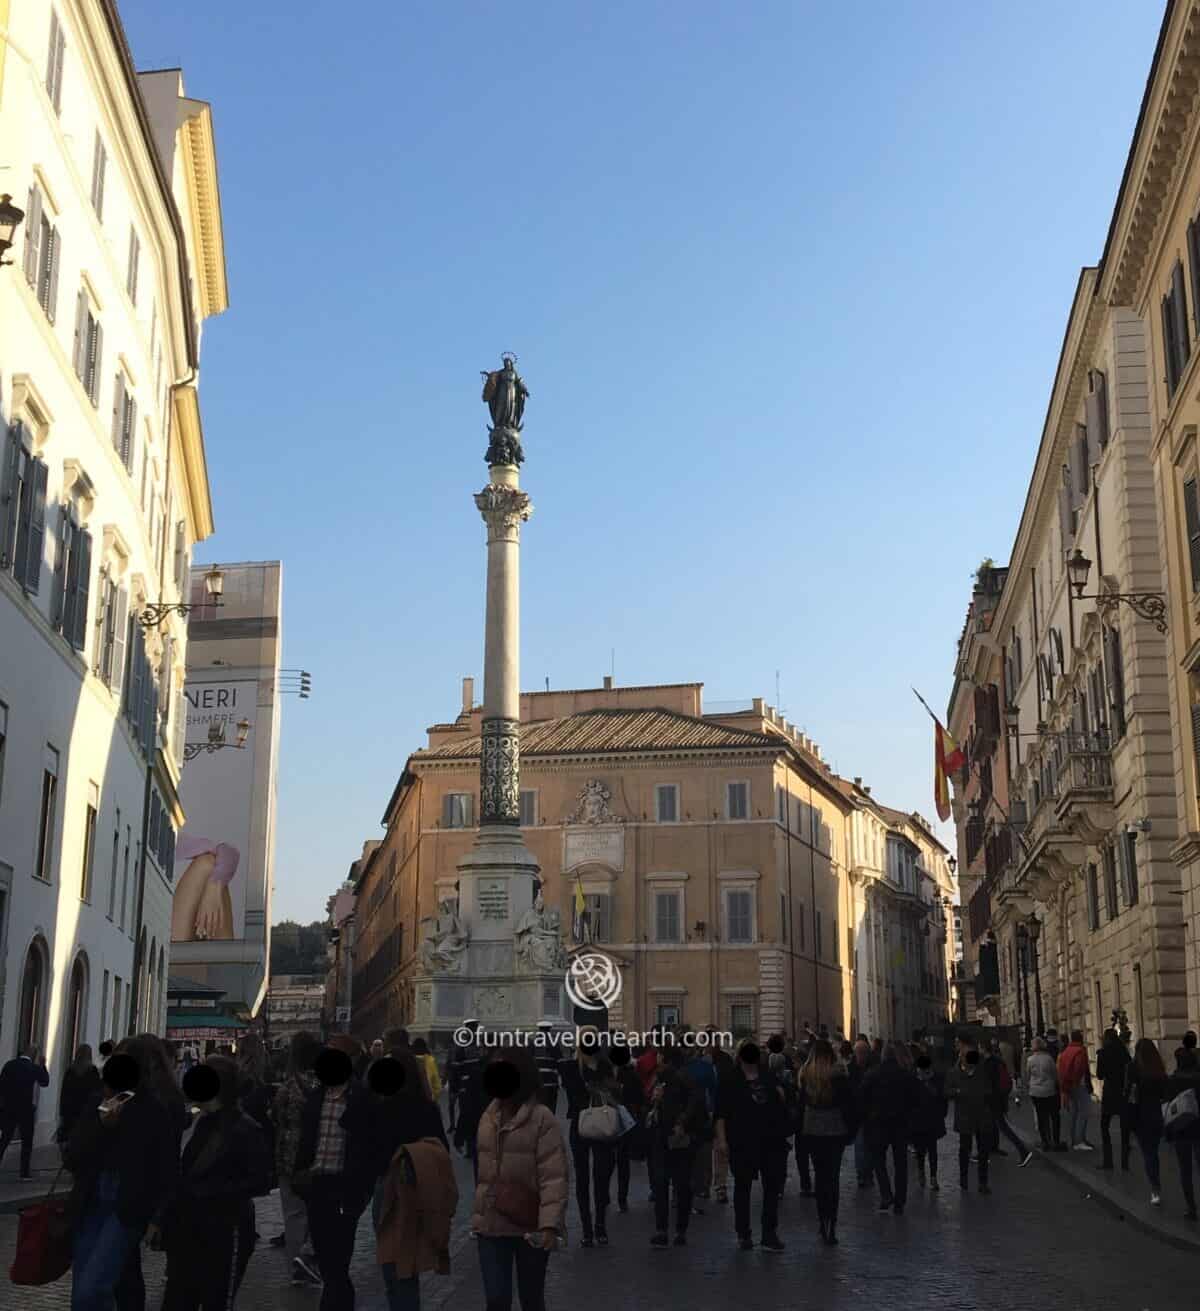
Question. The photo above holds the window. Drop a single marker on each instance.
(457, 810)
(99, 168)
(666, 803)
(803, 926)
(783, 916)
(3, 744)
(782, 807)
(77, 1006)
(1096, 410)
(667, 916)
(1115, 667)
(117, 1027)
(739, 915)
(47, 816)
(737, 801)
(1093, 898)
(72, 579)
(598, 906)
(22, 511)
(125, 876)
(89, 346)
(1191, 512)
(124, 421)
(32, 1015)
(89, 842)
(1109, 856)
(54, 63)
(43, 254)
(818, 938)
(181, 556)
(667, 1015)
(116, 868)
(741, 1017)
(528, 808)
(836, 945)
(1175, 330)
(1129, 869)
(110, 634)
(131, 268)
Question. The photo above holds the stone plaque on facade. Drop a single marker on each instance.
(594, 846)
(491, 899)
(451, 997)
(424, 1000)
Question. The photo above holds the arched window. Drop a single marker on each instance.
(30, 1029)
(76, 1014)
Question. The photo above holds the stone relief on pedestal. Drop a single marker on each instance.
(492, 1003)
(537, 939)
(500, 798)
(445, 941)
(592, 806)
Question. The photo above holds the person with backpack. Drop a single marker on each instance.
(1003, 1081)
(701, 1070)
(888, 1099)
(298, 1086)
(676, 1125)
(971, 1086)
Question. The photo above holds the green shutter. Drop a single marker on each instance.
(38, 476)
(81, 559)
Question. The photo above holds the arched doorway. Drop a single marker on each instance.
(76, 1012)
(34, 985)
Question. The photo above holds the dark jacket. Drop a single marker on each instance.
(403, 1120)
(888, 1097)
(754, 1115)
(583, 1082)
(928, 1119)
(360, 1120)
(1112, 1061)
(138, 1147)
(681, 1107)
(856, 1075)
(467, 1092)
(818, 1120)
(224, 1166)
(973, 1090)
(630, 1091)
(1145, 1096)
(79, 1093)
(17, 1082)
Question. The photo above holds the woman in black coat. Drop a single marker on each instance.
(80, 1092)
(1145, 1088)
(587, 1079)
(1112, 1063)
(927, 1124)
(676, 1124)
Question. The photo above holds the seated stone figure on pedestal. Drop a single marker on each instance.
(445, 941)
(536, 939)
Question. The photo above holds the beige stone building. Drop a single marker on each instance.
(1152, 265)
(1081, 888)
(715, 865)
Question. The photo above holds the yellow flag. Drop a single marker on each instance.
(580, 903)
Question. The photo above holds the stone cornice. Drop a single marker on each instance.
(1157, 155)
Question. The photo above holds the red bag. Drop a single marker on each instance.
(43, 1242)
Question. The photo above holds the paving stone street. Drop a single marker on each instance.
(1042, 1238)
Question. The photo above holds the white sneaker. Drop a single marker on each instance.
(1082, 1147)
(1155, 1200)
(1026, 1159)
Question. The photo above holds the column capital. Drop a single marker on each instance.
(504, 509)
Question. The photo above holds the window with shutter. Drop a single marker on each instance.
(666, 803)
(65, 570)
(49, 257)
(599, 906)
(1081, 469)
(180, 556)
(1128, 843)
(457, 810)
(31, 526)
(1096, 409)
(95, 355)
(1191, 511)
(33, 235)
(528, 802)
(1170, 352)
(1179, 310)
(99, 167)
(1109, 857)
(739, 916)
(666, 916)
(54, 63)
(120, 623)
(131, 270)
(737, 800)
(1116, 681)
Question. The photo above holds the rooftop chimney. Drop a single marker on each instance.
(858, 782)
(608, 682)
(757, 704)
(468, 696)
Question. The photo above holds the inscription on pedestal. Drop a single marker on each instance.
(491, 899)
(598, 846)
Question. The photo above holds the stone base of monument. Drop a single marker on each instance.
(441, 1003)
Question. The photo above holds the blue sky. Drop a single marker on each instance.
(787, 283)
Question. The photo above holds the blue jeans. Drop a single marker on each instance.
(496, 1258)
(402, 1294)
(1081, 1104)
(100, 1250)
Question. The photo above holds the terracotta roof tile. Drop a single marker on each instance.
(591, 731)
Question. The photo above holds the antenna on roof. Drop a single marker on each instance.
(547, 682)
(612, 664)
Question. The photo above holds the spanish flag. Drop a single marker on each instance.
(948, 758)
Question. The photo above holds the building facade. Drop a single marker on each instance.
(1152, 266)
(295, 1003)
(711, 849)
(103, 494)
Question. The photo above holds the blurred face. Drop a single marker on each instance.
(861, 1052)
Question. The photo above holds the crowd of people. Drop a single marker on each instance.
(173, 1155)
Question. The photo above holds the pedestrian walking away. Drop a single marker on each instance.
(1042, 1079)
(703, 1073)
(752, 1127)
(80, 1090)
(466, 1093)
(297, 1087)
(631, 1146)
(521, 1197)
(1000, 1073)
(18, 1108)
(1184, 1134)
(1112, 1064)
(1145, 1089)
(928, 1122)
(589, 1080)
(1074, 1078)
(888, 1099)
(972, 1089)
(676, 1124)
(830, 1122)
(863, 1060)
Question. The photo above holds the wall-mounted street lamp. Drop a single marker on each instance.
(216, 740)
(10, 220)
(1150, 605)
(152, 616)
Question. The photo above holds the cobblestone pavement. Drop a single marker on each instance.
(1036, 1240)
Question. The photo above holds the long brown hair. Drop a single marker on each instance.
(1149, 1063)
(817, 1074)
(83, 1060)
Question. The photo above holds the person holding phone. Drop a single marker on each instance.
(122, 1158)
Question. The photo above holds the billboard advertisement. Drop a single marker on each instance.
(212, 856)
